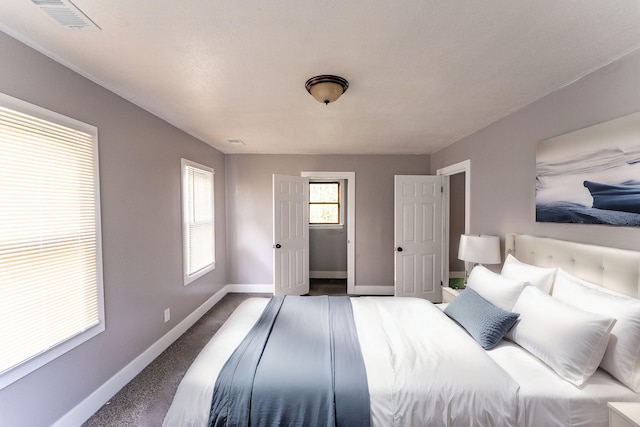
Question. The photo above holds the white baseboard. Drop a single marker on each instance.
(374, 290)
(327, 274)
(85, 409)
(263, 289)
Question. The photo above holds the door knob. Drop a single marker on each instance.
(278, 246)
(399, 249)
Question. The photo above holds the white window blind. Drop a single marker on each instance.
(198, 220)
(50, 258)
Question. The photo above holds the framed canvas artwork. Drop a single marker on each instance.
(591, 176)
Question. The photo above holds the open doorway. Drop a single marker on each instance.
(456, 224)
(327, 237)
(332, 239)
(458, 216)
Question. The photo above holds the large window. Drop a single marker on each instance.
(324, 203)
(51, 296)
(197, 220)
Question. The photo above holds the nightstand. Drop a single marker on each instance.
(448, 294)
(624, 414)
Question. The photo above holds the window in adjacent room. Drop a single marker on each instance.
(51, 294)
(197, 220)
(325, 203)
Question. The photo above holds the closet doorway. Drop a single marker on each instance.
(331, 232)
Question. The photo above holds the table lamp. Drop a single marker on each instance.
(478, 250)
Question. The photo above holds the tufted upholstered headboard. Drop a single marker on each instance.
(611, 268)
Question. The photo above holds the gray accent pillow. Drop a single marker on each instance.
(485, 322)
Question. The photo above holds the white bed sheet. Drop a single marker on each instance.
(552, 402)
(412, 350)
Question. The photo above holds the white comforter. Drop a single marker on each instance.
(422, 369)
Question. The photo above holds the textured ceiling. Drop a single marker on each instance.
(422, 73)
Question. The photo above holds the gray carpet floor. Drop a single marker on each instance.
(146, 399)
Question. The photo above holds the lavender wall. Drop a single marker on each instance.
(141, 232)
(250, 212)
(328, 249)
(503, 155)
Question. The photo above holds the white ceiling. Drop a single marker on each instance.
(422, 73)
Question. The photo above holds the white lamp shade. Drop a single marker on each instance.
(479, 249)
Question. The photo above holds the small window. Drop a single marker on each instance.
(197, 220)
(324, 203)
(51, 294)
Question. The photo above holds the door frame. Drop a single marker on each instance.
(350, 179)
(456, 168)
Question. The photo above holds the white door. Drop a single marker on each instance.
(418, 236)
(290, 235)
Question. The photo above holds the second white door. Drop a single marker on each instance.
(418, 236)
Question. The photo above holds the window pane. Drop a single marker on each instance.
(324, 214)
(324, 192)
(50, 279)
(202, 182)
(198, 220)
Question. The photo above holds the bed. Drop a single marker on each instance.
(423, 368)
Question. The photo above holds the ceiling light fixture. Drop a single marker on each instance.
(326, 88)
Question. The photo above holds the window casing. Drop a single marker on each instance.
(325, 203)
(198, 226)
(51, 286)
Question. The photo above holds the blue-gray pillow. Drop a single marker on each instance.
(485, 322)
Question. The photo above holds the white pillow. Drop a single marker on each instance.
(622, 357)
(571, 341)
(498, 290)
(540, 277)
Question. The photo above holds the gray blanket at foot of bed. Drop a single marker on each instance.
(300, 365)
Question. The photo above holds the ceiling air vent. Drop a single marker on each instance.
(67, 14)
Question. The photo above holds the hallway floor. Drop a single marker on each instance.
(327, 286)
